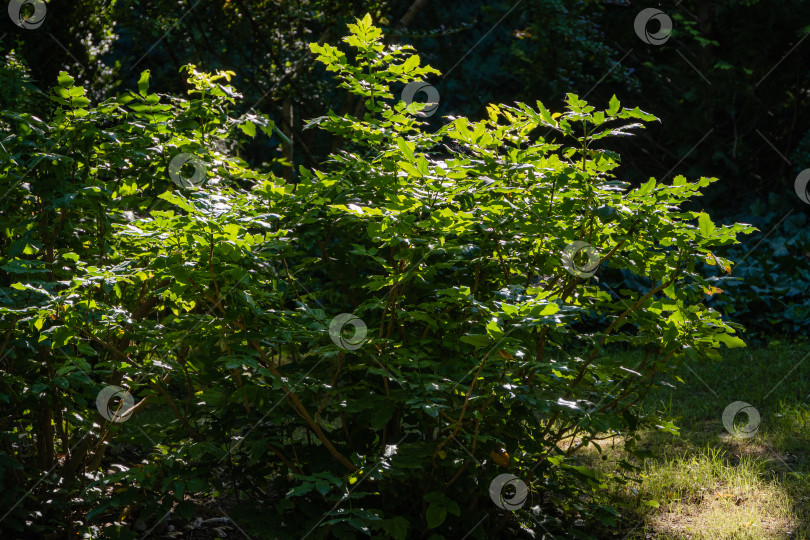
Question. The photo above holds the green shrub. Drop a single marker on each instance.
(219, 306)
(767, 290)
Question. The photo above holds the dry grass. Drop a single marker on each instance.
(707, 484)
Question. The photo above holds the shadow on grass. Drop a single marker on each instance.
(707, 483)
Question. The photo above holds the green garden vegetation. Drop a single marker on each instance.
(143, 252)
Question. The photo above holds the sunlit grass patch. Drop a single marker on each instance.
(707, 483)
(706, 495)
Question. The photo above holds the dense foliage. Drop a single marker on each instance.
(768, 286)
(141, 252)
(728, 84)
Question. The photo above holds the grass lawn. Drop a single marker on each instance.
(708, 483)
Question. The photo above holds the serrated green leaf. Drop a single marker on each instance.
(436, 515)
(476, 340)
(143, 83)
